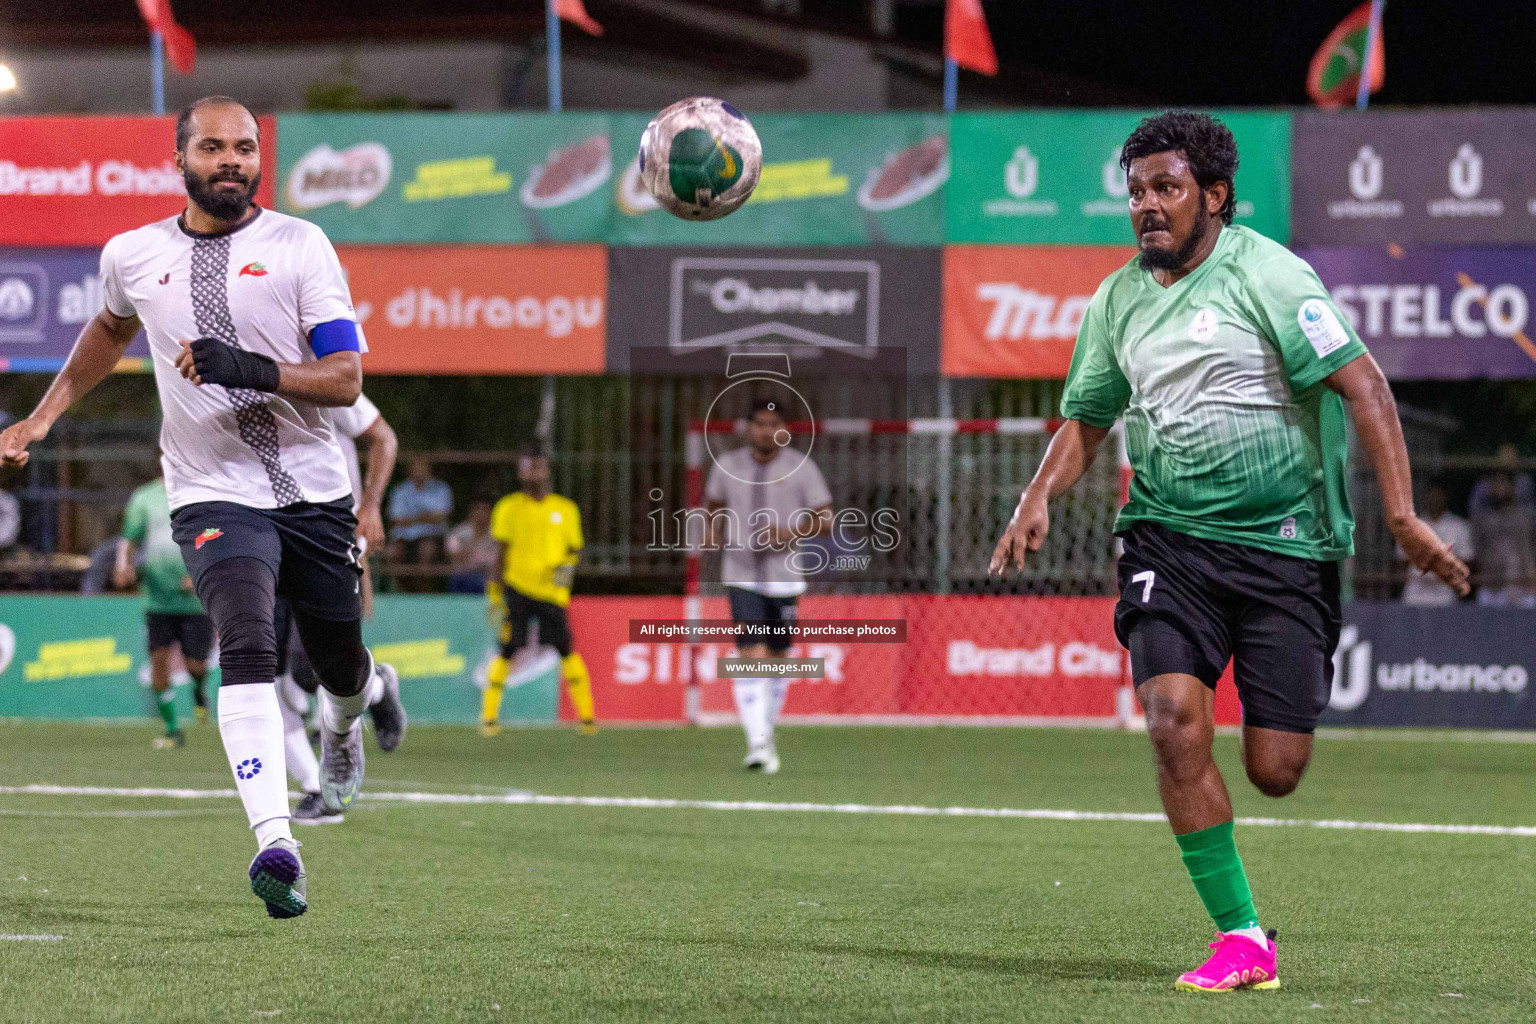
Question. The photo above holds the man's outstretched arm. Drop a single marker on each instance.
(96, 352)
(1374, 412)
(1069, 456)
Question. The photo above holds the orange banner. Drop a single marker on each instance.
(1014, 311)
(485, 309)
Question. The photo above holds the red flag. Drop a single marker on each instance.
(1334, 77)
(966, 39)
(179, 44)
(574, 12)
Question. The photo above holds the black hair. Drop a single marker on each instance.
(766, 404)
(184, 119)
(1206, 143)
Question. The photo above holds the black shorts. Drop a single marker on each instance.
(1188, 605)
(311, 549)
(554, 624)
(750, 607)
(192, 633)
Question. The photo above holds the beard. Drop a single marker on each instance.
(1175, 259)
(221, 204)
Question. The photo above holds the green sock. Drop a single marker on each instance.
(167, 704)
(1211, 858)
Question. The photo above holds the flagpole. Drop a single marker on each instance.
(552, 45)
(157, 71)
(1372, 32)
(951, 84)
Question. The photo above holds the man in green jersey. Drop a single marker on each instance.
(173, 615)
(1231, 367)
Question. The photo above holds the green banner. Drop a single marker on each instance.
(458, 178)
(84, 657)
(1055, 178)
(828, 179)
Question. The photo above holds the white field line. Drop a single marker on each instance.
(522, 798)
(31, 938)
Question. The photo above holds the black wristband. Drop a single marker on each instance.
(219, 363)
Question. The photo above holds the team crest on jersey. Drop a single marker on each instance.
(1288, 528)
(253, 270)
(206, 536)
(1203, 326)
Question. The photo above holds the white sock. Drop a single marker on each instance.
(340, 714)
(1255, 933)
(251, 726)
(752, 707)
(778, 689)
(302, 763)
(374, 689)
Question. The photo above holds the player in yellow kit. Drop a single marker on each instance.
(540, 537)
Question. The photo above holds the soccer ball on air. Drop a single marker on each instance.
(700, 158)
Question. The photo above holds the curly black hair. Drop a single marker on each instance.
(1206, 143)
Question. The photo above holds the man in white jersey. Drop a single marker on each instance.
(359, 422)
(253, 340)
(769, 497)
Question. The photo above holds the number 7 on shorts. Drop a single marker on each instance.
(1147, 579)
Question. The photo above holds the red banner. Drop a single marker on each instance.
(1014, 311)
(491, 309)
(81, 180)
(964, 657)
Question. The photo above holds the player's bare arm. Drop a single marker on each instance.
(383, 452)
(334, 380)
(96, 352)
(1069, 456)
(1374, 412)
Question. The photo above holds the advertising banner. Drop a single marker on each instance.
(1055, 178)
(828, 179)
(683, 310)
(1462, 666)
(480, 309)
(1446, 176)
(963, 657)
(448, 177)
(81, 180)
(83, 657)
(1014, 310)
(1437, 313)
(47, 296)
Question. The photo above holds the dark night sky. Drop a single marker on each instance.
(1255, 52)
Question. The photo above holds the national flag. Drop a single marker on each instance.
(966, 39)
(179, 44)
(1334, 77)
(575, 12)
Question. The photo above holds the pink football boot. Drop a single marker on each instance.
(1238, 962)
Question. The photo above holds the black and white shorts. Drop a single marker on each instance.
(776, 613)
(1187, 606)
(310, 547)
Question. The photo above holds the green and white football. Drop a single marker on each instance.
(700, 158)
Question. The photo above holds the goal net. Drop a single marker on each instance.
(1034, 646)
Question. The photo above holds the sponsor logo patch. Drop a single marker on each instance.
(1322, 328)
(207, 535)
(253, 270)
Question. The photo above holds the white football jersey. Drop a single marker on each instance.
(262, 286)
(351, 422)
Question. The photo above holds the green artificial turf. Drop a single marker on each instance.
(425, 912)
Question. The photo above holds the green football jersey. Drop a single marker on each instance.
(147, 522)
(1231, 434)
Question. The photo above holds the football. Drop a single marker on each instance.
(700, 158)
